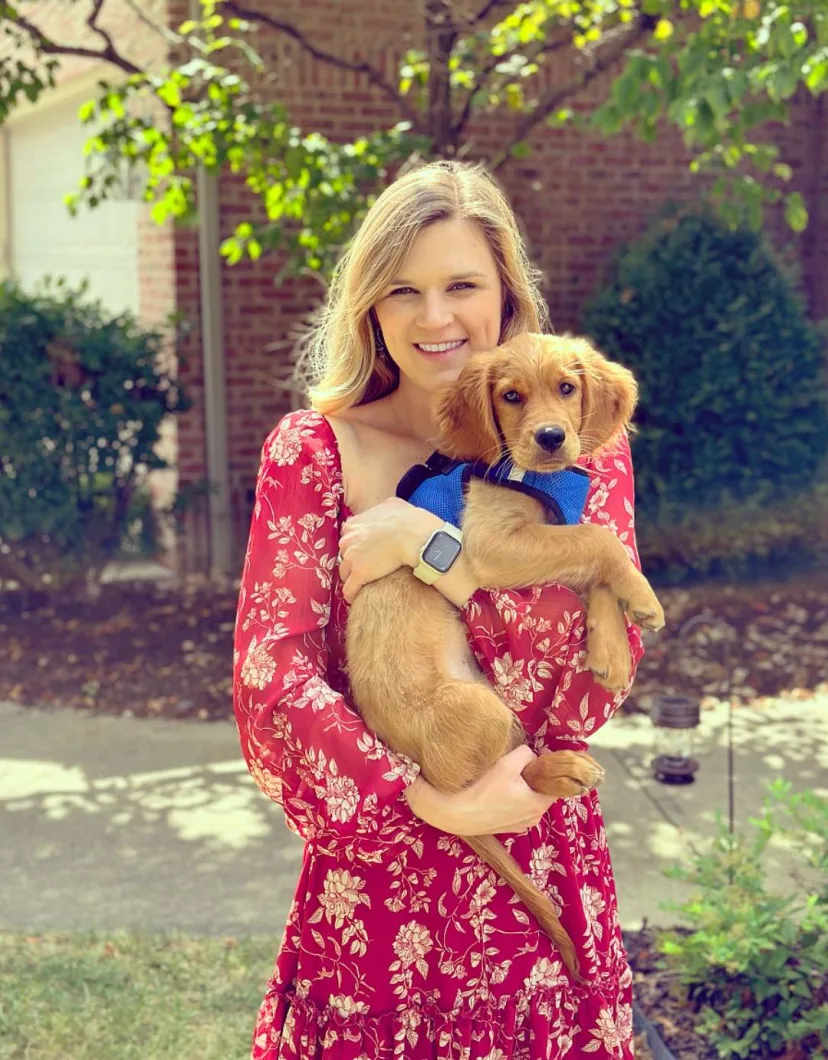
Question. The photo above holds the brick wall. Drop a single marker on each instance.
(577, 196)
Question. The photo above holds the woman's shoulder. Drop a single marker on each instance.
(302, 432)
(615, 456)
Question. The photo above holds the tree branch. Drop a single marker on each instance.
(487, 9)
(441, 36)
(487, 71)
(163, 31)
(374, 76)
(92, 23)
(606, 53)
(46, 46)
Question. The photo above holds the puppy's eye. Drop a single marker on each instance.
(567, 388)
(512, 396)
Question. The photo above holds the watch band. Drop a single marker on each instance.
(424, 570)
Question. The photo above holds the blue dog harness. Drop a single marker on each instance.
(440, 486)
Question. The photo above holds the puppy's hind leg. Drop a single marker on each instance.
(462, 731)
(608, 647)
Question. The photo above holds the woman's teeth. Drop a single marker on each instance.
(439, 347)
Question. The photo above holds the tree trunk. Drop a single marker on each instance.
(441, 34)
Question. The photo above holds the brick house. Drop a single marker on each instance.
(578, 197)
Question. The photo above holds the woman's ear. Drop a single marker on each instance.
(464, 413)
(608, 401)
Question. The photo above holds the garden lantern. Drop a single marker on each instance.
(676, 719)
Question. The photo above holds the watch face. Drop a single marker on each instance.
(442, 551)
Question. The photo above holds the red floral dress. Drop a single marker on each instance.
(400, 942)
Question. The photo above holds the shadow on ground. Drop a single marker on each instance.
(117, 823)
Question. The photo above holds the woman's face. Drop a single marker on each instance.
(444, 305)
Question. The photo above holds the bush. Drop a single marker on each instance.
(82, 398)
(734, 406)
(755, 964)
(744, 541)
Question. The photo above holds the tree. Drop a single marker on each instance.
(719, 70)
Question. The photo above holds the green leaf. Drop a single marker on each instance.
(816, 72)
(796, 212)
(560, 117)
(783, 171)
(169, 93)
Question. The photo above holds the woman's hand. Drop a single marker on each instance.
(501, 801)
(381, 540)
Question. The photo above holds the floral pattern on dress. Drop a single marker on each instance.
(400, 942)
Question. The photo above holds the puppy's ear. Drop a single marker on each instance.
(609, 398)
(464, 413)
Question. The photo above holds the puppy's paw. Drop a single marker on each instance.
(611, 664)
(563, 774)
(649, 617)
(641, 604)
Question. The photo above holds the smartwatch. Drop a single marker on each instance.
(438, 554)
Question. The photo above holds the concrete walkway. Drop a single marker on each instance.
(156, 825)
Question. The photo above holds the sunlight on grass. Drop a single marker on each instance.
(130, 997)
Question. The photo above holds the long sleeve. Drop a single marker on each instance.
(532, 643)
(305, 746)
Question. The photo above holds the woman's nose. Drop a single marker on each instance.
(434, 311)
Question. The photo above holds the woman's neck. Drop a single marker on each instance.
(412, 411)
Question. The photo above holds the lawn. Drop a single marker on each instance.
(130, 997)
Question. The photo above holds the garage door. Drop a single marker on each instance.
(45, 163)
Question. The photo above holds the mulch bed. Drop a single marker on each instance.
(659, 998)
(154, 650)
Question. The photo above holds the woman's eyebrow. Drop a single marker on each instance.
(399, 281)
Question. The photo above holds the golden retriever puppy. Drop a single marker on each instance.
(544, 401)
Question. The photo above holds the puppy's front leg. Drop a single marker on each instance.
(509, 551)
(513, 556)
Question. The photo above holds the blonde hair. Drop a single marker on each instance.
(342, 350)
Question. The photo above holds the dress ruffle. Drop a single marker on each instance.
(552, 1022)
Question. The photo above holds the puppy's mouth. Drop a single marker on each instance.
(533, 458)
(531, 454)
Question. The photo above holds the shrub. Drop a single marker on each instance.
(82, 398)
(734, 406)
(754, 963)
(744, 541)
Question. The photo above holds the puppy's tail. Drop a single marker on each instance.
(490, 850)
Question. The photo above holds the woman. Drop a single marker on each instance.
(400, 942)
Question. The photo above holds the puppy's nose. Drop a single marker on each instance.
(550, 438)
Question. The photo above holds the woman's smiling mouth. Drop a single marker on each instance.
(440, 347)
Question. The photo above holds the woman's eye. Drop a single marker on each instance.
(513, 397)
(463, 286)
(567, 388)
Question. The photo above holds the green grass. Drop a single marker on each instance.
(76, 996)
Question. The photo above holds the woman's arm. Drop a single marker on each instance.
(305, 746)
(389, 536)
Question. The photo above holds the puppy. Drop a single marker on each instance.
(545, 401)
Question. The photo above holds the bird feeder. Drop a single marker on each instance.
(675, 720)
